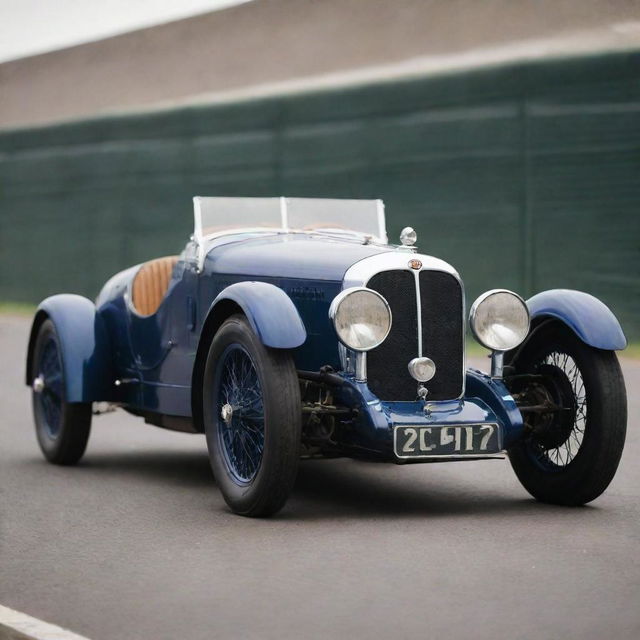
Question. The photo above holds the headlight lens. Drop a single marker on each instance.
(361, 317)
(499, 320)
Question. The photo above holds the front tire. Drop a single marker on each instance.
(252, 419)
(62, 428)
(569, 457)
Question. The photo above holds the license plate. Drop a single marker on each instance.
(451, 441)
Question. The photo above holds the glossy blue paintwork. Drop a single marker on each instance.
(153, 354)
(497, 397)
(376, 420)
(270, 311)
(299, 256)
(591, 320)
(284, 283)
(85, 347)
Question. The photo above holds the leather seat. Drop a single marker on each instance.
(151, 283)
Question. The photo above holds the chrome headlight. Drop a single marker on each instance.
(499, 320)
(361, 317)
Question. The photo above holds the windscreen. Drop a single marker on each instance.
(214, 215)
(364, 216)
(219, 214)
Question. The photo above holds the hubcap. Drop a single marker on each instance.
(227, 413)
(38, 384)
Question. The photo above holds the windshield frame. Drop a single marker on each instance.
(281, 207)
(201, 238)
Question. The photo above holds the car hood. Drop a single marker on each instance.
(287, 256)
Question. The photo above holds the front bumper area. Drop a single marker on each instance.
(485, 402)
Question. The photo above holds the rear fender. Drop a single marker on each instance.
(84, 344)
(589, 318)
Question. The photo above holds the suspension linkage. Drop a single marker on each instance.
(542, 408)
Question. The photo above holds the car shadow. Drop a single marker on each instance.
(369, 490)
(325, 489)
(181, 469)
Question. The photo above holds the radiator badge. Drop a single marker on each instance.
(415, 264)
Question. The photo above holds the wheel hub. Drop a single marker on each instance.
(553, 429)
(227, 413)
(38, 384)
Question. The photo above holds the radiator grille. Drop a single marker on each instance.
(442, 332)
(442, 335)
(387, 373)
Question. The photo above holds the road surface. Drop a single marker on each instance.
(137, 543)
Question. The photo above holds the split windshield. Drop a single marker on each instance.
(218, 215)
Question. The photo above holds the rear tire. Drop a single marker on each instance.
(252, 418)
(574, 457)
(62, 428)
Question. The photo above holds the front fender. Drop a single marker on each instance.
(495, 394)
(84, 343)
(270, 311)
(589, 318)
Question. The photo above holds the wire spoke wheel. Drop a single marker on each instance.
(50, 396)
(62, 427)
(570, 450)
(567, 430)
(240, 405)
(252, 419)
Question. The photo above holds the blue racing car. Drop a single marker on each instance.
(290, 327)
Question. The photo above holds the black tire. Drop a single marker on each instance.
(62, 428)
(255, 483)
(595, 426)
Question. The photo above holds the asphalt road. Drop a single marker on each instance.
(136, 542)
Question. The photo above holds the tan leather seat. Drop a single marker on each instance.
(151, 283)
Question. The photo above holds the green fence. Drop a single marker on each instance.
(524, 176)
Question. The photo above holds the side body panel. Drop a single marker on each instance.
(155, 356)
(151, 353)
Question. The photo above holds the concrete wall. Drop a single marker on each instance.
(270, 42)
(524, 176)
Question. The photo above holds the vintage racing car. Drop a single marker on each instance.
(289, 327)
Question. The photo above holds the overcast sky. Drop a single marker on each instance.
(28, 27)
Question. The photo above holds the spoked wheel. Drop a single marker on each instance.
(62, 428)
(574, 403)
(252, 417)
(240, 405)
